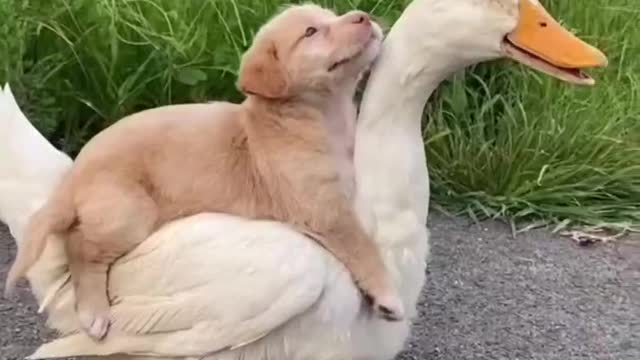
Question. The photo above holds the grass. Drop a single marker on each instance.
(78, 65)
(505, 141)
(501, 140)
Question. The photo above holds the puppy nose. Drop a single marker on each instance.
(359, 17)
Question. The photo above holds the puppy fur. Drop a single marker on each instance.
(285, 154)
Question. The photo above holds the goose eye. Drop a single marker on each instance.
(310, 31)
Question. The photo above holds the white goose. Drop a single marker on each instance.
(217, 287)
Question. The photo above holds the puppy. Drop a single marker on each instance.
(285, 154)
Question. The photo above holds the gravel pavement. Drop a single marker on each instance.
(488, 296)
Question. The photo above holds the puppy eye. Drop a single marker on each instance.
(310, 31)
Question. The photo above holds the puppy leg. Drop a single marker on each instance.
(90, 284)
(326, 215)
(110, 226)
(344, 238)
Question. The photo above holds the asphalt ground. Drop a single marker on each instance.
(488, 296)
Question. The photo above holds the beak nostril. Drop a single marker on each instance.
(543, 24)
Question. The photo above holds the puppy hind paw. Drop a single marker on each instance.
(95, 325)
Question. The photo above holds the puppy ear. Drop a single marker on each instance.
(262, 73)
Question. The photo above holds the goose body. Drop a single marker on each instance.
(217, 287)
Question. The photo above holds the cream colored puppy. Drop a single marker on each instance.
(285, 153)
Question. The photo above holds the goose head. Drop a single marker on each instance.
(472, 31)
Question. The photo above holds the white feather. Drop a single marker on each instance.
(29, 164)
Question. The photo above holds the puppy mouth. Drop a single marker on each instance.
(353, 56)
(337, 64)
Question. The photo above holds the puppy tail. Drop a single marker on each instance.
(56, 216)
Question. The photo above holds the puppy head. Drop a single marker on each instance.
(307, 49)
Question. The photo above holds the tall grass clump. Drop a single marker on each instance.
(506, 141)
(79, 65)
(501, 140)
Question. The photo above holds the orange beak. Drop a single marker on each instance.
(540, 42)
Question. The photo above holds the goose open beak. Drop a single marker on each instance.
(540, 42)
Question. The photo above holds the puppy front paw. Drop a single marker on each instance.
(388, 306)
(385, 304)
